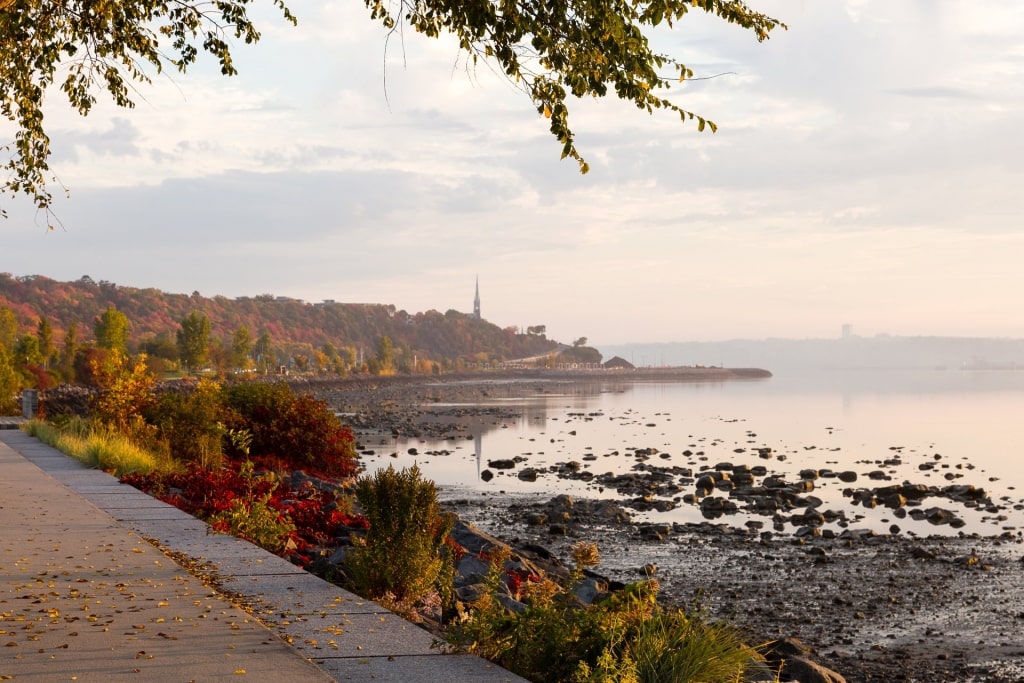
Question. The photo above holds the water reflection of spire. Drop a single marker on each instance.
(478, 448)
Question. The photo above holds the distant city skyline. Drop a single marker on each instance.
(865, 172)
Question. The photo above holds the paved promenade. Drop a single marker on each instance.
(89, 592)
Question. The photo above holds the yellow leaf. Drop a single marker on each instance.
(547, 112)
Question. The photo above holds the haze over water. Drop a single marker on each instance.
(964, 424)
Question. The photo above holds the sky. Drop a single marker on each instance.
(867, 170)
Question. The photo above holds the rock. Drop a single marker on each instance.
(801, 669)
(939, 516)
(848, 477)
(471, 593)
(923, 554)
(655, 532)
(894, 501)
(503, 464)
(591, 590)
(705, 484)
(792, 658)
(528, 474)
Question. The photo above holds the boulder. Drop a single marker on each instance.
(792, 658)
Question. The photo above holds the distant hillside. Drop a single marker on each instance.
(155, 314)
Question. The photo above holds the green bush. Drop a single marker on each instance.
(189, 422)
(628, 638)
(252, 516)
(403, 556)
(299, 432)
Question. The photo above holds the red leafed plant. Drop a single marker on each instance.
(234, 499)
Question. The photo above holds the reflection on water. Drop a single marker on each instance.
(935, 428)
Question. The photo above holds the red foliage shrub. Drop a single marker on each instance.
(41, 378)
(298, 431)
(204, 493)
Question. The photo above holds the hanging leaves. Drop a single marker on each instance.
(551, 49)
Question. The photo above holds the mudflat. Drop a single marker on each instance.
(875, 605)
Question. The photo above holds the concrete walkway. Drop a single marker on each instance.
(89, 592)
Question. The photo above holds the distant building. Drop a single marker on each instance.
(847, 331)
(476, 300)
(618, 363)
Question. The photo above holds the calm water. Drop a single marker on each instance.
(968, 424)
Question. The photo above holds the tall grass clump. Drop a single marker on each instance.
(98, 447)
(403, 557)
(671, 646)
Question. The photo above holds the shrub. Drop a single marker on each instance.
(256, 521)
(672, 646)
(403, 556)
(126, 391)
(189, 422)
(628, 638)
(252, 515)
(298, 431)
(258, 507)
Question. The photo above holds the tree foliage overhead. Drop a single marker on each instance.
(87, 47)
(553, 49)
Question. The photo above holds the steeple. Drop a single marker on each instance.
(476, 300)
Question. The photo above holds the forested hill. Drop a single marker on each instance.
(154, 315)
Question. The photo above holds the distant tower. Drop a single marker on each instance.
(476, 300)
(847, 331)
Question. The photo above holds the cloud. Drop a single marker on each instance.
(120, 139)
(867, 162)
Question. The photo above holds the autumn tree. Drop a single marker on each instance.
(44, 333)
(27, 351)
(241, 347)
(8, 329)
(67, 354)
(194, 340)
(263, 352)
(160, 346)
(220, 357)
(384, 362)
(10, 383)
(126, 391)
(111, 330)
(552, 51)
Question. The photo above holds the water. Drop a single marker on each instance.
(966, 426)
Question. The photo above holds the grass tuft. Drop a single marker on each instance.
(101, 448)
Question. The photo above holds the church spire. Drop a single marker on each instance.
(476, 300)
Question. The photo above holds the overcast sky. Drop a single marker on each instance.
(867, 170)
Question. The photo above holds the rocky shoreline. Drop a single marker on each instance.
(873, 606)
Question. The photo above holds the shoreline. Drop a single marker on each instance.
(875, 607)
